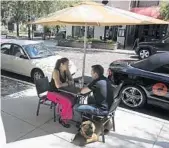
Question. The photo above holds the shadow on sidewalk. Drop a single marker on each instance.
(129, 139)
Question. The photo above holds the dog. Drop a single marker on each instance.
(86, 134)
(90, 132)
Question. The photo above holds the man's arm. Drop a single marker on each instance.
(91, 87)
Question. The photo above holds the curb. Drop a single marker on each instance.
(24, 82)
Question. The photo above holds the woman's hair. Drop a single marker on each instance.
(60, 61)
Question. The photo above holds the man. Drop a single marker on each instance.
(102, 92)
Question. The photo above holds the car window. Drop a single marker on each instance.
(163, 69)
(17, 51)
(38, 50)
(5, 48)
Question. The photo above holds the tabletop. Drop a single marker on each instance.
(70, 89)
(87, 79)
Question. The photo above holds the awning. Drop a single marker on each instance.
(147, 11)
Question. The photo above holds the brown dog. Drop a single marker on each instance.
(89, 132)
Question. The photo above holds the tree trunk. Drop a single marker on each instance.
(17, 28)
(29, 32)
(57, 28)
(29, 28)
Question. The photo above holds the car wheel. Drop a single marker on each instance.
(133, 96)
(36, 75)
(144, 53)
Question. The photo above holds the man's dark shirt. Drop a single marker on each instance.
(102, 92)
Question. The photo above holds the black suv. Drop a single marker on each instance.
(146, 49)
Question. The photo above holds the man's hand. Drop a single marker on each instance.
(85, 90)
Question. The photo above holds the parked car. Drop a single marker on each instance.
(29, 58)
(146, 49)
(145, 81)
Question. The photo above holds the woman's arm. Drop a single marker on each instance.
(57, 81)
(69, 76)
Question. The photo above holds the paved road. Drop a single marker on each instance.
(93, 57)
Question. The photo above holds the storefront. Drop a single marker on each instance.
(145, 32)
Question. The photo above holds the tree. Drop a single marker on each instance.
(22, 11)
(164, 10)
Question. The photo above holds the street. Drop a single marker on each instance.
(103, 57)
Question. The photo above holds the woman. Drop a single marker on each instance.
(61, 76)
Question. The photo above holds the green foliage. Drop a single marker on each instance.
(19, 11)
(164, 10)
(93, 40)
(46, 29)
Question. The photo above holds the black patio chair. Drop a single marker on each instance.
(103, 119)
(42, 87)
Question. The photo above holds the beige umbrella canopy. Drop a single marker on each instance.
(44, 20)
(95, 14)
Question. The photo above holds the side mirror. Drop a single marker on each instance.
(23, 56)
(163, 41)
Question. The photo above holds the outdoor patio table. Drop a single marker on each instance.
(70, 90)
(87, 80)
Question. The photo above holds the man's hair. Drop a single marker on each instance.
(98, 69)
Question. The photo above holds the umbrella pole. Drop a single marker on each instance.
(84, 57)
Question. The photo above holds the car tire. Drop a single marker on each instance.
(133, 96)
(36, 74)
(144, 53)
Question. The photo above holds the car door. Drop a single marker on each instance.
(20, 64)
(166, 44)
(160, 87)
(5, 56)
(159, 46)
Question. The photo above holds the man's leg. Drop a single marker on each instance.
(79, 109)
(89, 109)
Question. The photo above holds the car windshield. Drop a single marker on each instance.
(38, 50)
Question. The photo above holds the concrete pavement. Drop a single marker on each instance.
(24, 129)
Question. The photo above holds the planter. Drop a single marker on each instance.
(77, 44)
(103, 45)
(70, 43)
(65, 43)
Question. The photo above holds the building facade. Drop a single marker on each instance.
(124, 35)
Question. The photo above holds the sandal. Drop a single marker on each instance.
(63, 123)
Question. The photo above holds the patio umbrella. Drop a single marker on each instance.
(96, 14)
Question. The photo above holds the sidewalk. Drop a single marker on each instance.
(24, 129)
